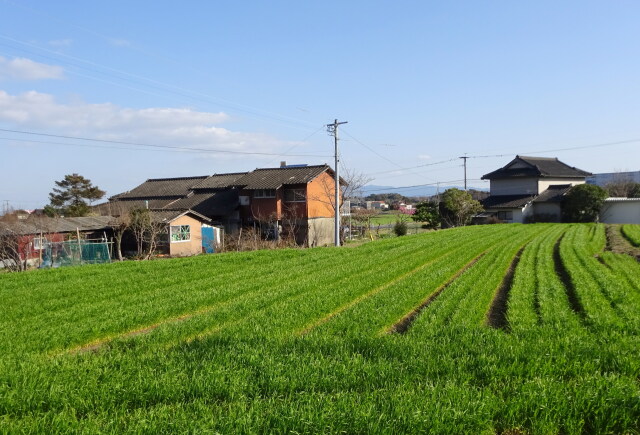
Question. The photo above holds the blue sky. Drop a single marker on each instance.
(419, 83)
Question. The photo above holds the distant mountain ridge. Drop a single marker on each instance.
(410, 191)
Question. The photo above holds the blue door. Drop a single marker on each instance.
(208, 239)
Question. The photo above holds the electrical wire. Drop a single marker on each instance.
(202, 150)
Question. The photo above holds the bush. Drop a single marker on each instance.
(400, 228)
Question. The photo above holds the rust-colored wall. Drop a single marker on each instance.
(320, 194)
(191, 247)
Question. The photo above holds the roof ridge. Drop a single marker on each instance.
(177, 178)
(290, 167)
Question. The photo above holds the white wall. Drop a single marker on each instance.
(548, 208)
(621, 212)
(544, 183)
(514, 186)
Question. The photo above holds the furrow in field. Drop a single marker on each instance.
(565, 278)
(497, 314)
(376, 315)
(308, 328)
(468, 298)
(241, 295)
(402, 325)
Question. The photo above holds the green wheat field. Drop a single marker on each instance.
(484, 329)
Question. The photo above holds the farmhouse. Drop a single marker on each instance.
(530, 189)
(289, 201)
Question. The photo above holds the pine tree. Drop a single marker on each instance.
(72, 196)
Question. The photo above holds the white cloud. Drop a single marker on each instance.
(162, 126)
(21, 68)
(119, 42)
(60, 43)
(424, 157)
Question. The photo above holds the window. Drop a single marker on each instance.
(39, 242)
(265, 193)
(295, 195)
(180, 233)
(505, 215)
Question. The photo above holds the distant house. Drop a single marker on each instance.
(294, 201)
(213, 197)
(530, 188)
(288, 201)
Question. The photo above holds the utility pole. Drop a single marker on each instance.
(465, 170)
(333, 131)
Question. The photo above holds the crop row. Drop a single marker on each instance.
(257, 288)
(632, 233)
(606, 298)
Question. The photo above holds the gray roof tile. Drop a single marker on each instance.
(162, 188)
(219, 181)
(537, 167)
(274, 178)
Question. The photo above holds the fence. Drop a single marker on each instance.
(75, 252)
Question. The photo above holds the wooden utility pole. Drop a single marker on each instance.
(333, 131)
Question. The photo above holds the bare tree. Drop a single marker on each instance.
(120, 223)
(146, 230)
(350, 187)
(12, 249)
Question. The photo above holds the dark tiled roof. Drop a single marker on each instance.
(273, 178)
(536, 167)
(37, 224)
(507, 201)
(162, 188)
(115, 208)
(209, 204)
(553, 193)
(218, 181)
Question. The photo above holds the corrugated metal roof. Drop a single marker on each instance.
(219, 181)
(273, 178)
(162, 188)
(37, 224)
(537, 167)
(614, 199)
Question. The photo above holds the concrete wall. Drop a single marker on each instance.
(321, 231)
(514, 186)
(190, 247)
(621, 212)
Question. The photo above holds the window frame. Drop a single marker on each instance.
(40, 243)
(264, 193)
(505, 215)
(295, 195)
(179, 232)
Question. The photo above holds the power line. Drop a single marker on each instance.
(154, 84)
(203, 150)
(622, 142)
